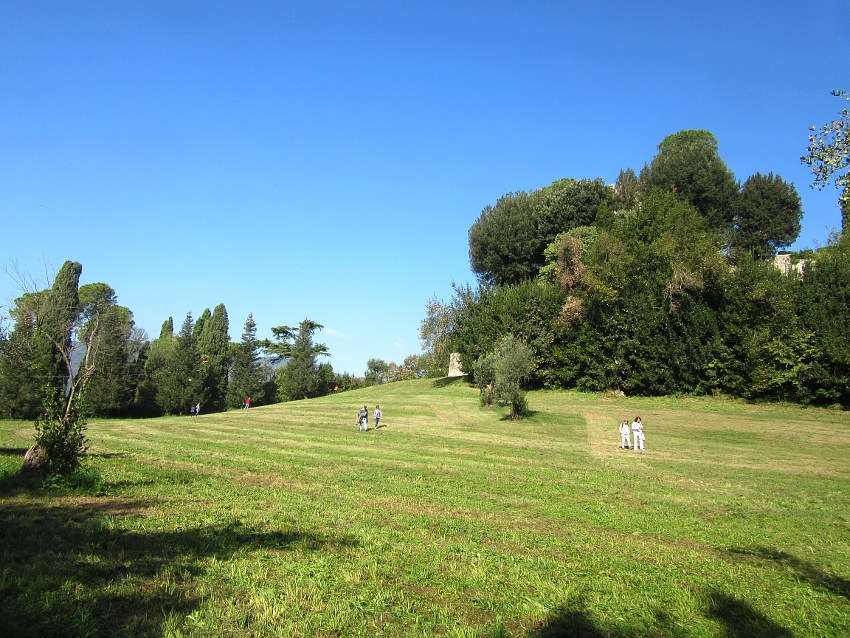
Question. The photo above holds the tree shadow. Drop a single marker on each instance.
(741, 620)
(444, 382)
(107, 455)
(529, 414)
(570, 621)
(68, 571)
(802, 569)
(13, 451)
(737, 618)
(12, 483)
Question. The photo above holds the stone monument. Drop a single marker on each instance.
(454, 365)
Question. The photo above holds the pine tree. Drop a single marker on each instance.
(25, 365)
(178, 381)
(299, 379)
(111, 389)
(246, 373)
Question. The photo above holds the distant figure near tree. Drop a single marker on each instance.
(377, 414)
(247, 403)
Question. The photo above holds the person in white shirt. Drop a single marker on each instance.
(625, 435)
(637, 432)
(377, 414)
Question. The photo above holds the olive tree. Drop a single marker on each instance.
(500, 375)
(828, 157)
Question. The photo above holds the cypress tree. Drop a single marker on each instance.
(214, 349)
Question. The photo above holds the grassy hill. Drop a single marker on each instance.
(450, 520)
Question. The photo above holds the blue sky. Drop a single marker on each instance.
(326, 159)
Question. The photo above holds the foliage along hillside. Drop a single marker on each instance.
(661, 285)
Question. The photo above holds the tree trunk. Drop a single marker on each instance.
(34, 460)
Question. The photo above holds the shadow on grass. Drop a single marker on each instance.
(802, 569)
(13, 451)
(107, 455)
(447, 381)
(68, 571)
(530, 414)
(571, 622)
(740, 619)
(737, 618)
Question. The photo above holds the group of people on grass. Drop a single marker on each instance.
(636, 431)
(363, 417)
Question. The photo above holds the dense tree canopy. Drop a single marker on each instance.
(667, 288)
(300, 377)
(768, 215)
(689, 165)
(214, 350)
(508, 240)
(247, 376)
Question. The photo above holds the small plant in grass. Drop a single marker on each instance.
(60, 439)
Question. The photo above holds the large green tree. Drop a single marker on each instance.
(502, 239)
(688, 164)
(214, 348)
(823, 304)
(179, 382)
(376, 371)
(299, 378)
(112, 387)
(26, 364)
(117, 343)
(773, 351)
(767, 216)
(246, 373)
(828, 157)
(508, 240)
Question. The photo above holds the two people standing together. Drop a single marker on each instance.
(636, 432)
(363, 417)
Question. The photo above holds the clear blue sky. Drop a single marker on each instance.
(325, 159)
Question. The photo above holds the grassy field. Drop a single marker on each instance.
(447, 521)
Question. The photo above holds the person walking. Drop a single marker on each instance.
(377, 414)
(363, 415)
(625, 434)
(637, 431)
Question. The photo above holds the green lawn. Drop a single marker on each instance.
(449, 520)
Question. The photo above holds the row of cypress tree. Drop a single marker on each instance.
(128, 375)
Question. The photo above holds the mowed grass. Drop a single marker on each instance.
(450, 520)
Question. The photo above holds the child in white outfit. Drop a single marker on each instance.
(625, 437)
(637, 431)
